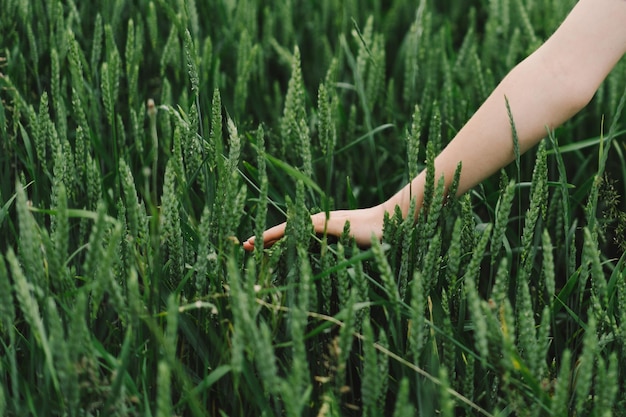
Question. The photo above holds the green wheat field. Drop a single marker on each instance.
(142, 141)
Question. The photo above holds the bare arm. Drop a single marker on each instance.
(544, 90)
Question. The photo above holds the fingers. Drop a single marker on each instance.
(274, 234)
(270, 236)
(364, 222)
(249, 244)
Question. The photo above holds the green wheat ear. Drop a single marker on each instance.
(299, 227)
(548, 270)
(540, 366)
(79, 95)
(404, 407)
(107, 275)
(266, 359)
(371, 382)
(152, 24)
(29, 306)
(478, 74)
(375, 82)
(453, 257)
(246, 56)
(57, 96)
(42, 129)
(479, 321)
(108, 89)
(261, 214)
(171, 234)
(294, 123)
(240, 317)
(208, 74)
(478, 252)
(57, 245)
(449, 107)
(386, 275)
(111, 78)
(193, 153)
(345, 341)
(326, 280)
(66, 372)
(383, 369)
(206, 257)
(467, 383)
(95, 246)
(503, 210)
(130, 199)
(326, 126)
(177, 159)
(164, 395)
(413, 142)
(32, 43)
(607, 383)
(30, 244)
(60, 228)
(584, 373)
(432, 261)
(417, 327)
(500, 289)
(171, 50)
(435, 208)
(80, 152)
(94, 183)
(134, 46)
(215, 135)
(525, 321)
(538, 207)
(527, 26)
(447, 403)
(170, 336)
(447, 335)
(599, 292)
(341, 278)
(408, 236)
(230, 197)
(429, 187)
(300, 373)
(412, 56)
(560, 401)
(192, 62)
(96, 45)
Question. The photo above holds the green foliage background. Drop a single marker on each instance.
(139, 141)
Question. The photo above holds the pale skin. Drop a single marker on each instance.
(546, 89)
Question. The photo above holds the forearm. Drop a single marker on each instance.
(485, 143)
(543, 91)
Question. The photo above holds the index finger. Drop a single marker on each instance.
(270, 236)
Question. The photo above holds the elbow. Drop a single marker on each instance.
(570, 88)
(567, 95)
(580, 96)
(577, 85)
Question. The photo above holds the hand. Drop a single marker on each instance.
(363, 223)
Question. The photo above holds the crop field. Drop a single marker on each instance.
(142, 141)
